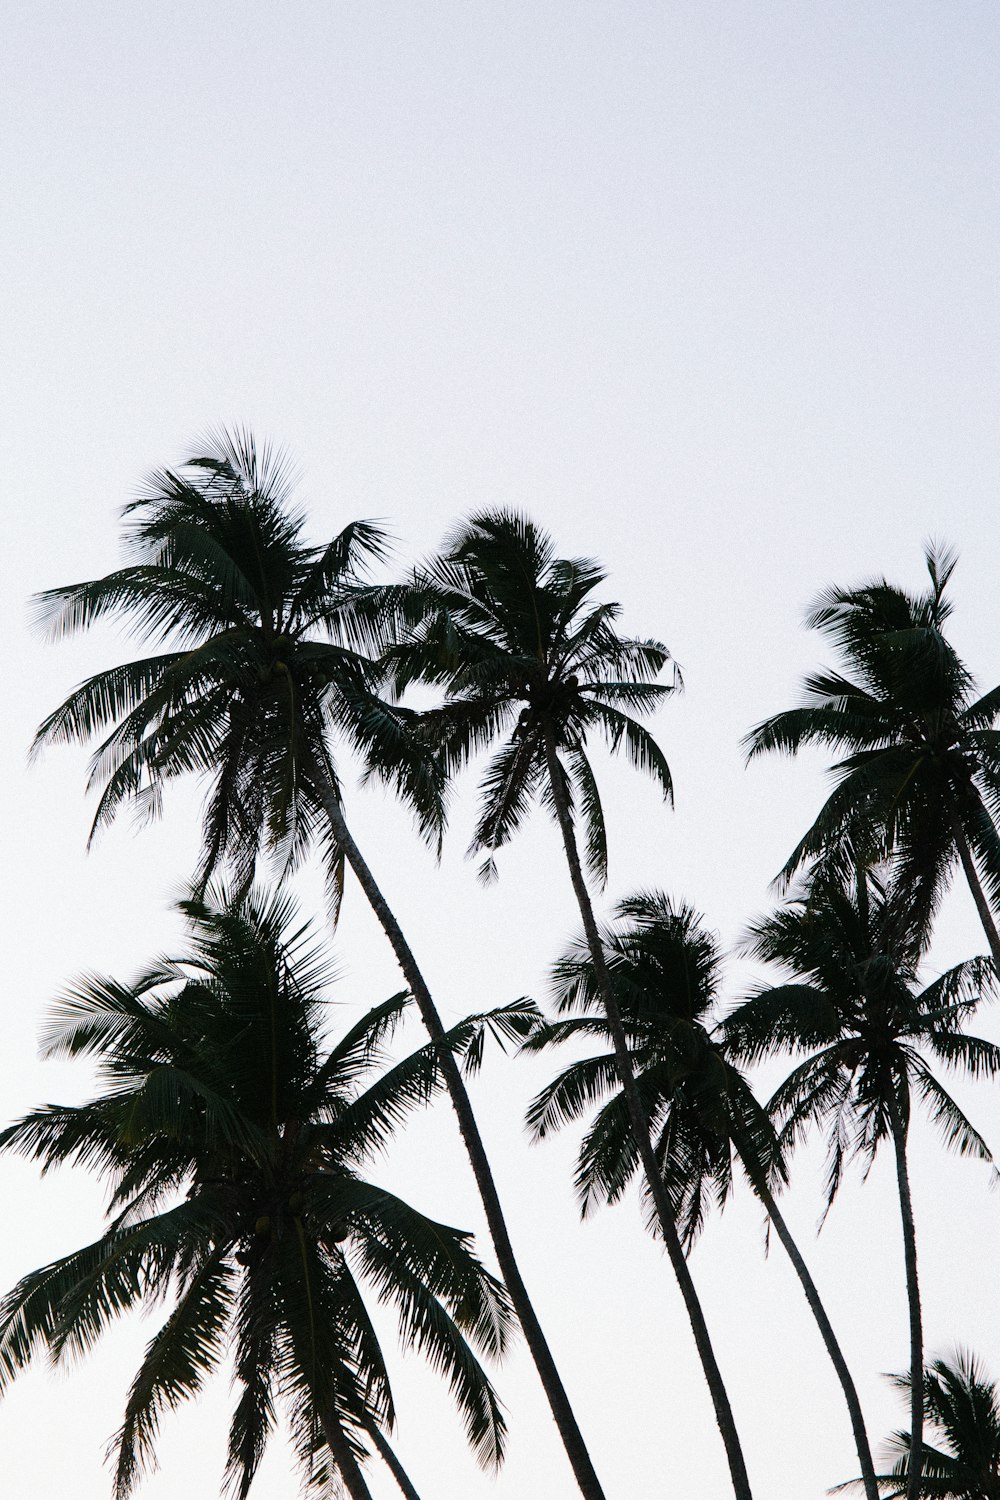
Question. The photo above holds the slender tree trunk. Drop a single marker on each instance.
(562, 1412)
(391, 1462)
(703, 1343)
(343, 1457)
(833, 1348)
(976, 887)
(915, 1460)
(640, 1134)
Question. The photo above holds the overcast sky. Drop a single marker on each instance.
(711, 291)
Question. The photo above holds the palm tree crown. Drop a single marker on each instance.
(270, 643)
(855, 1007)
(962, 1461)
(920, 774)
(233, 1144)
(527, 655)
(665, 968)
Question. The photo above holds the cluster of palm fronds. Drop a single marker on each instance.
(236, 1137)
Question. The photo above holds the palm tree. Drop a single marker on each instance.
(963, 1404)
(665, 968)
(855, 1009)
(920, 772)
(263, 653)
(525, 654)
(233, 1144)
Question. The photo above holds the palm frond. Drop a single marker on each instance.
(177, 1361)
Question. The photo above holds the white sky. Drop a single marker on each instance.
(710, 290)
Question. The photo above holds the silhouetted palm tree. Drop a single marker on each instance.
(665, 967)
(526, 655)
(264, 648)
(920, 777)
(233, 1145)
(963, 1410)
(854, 1007)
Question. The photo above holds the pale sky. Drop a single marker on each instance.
(711, 291)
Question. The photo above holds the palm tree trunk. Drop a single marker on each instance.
(825, 1327)
(976, 887)
(391, 1462)
(915, 1460)
(347, 1465)
(640, 1134)
(562, 1412)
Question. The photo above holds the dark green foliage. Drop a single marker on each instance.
(523, 650)
(233, 1143)
(270, 655)
(920, 753)
(961, 1460)
(855, 1006)
(664, 966)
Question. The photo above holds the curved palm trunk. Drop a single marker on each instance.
(976, 887)
(562, 1412)
(392, 1463)
(347, 1465)
(833, 1348)
(915, 1462)
(640, 1134)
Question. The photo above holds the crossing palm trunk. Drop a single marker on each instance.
(392, 1463)
(640, 1134)
(562, 1412)
(915, 1460)
(833, 1348)
(343, 1456)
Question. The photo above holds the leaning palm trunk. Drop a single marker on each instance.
(913, 1485)
(392, 1463)
(976, 887)
(833, 1348)
(640, 1134)
(562, 1412)
(343, 1456)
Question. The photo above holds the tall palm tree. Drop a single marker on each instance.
(263, 647)
(854, 1007)
(963, 1406)
(920, 772)
(233, 1144)
(527, 655)
(665, 967)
